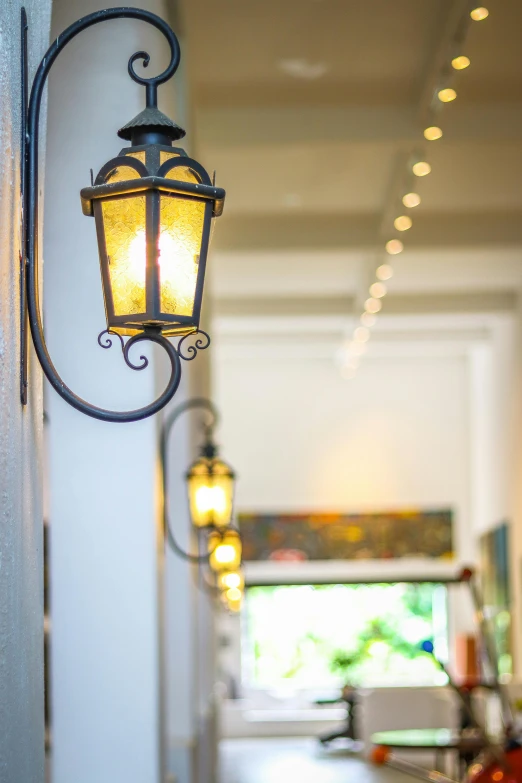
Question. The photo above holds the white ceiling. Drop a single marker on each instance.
(314, 167)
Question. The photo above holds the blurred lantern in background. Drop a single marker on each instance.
(210, 485)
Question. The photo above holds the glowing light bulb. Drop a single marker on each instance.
(394, 246)
(461, 62)
(373, 305)
(234, 594)
(361, 334)
(421, 168)
(232, 579)
(480, 13)
(411, 200)
(210, 499)
(225, 553)
(447, 95)
(378, 290)
(433, 133)
(178, 268)
(403, 222)
(384, 272)
(368, 319)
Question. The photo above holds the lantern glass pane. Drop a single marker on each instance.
(181, 232)
(123, 173)
(125, 239)
(211, 493)
(231, 580)
(139, 156)
(164, 155)
(225, 552)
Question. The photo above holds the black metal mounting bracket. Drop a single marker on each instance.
(30, 310)
(194, 403)
(23, 168)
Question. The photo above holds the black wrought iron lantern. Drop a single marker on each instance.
(210, 485)
(210, 482)
(153, 207)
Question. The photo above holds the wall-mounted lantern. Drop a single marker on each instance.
(224, 551)
(153, 207)
(210, 488)
(210, 485)
(231, 580)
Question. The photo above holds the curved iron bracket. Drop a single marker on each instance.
(29, 292)
(210, 408)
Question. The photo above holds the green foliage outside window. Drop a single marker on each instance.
(321, 636)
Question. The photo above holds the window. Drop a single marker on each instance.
(323, 636)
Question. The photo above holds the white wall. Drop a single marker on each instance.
(21, 522)
(302, 438)
(106, 552)
(423, 424)
(493, 405)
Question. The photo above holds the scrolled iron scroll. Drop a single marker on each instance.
(105, 341)
(192, 350)
(31, 210)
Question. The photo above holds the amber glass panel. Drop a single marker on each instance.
(211, 493)
(122, 173)
(125, 238)
(167, 156)
(182, 174)
(181, 231)
(138, 155)
(231, 580)
(225, 552)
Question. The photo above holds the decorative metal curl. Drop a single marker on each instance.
(128, 346)
(145, 56)
(108, 341)
(192, 350)
(31, 213)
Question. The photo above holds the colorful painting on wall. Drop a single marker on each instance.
(375, 536)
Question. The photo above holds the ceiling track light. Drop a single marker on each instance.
(411, 200)
(420, 168)
(433, 133)
(403, 223)
(447, 94)
(460, 62)
(479, 14)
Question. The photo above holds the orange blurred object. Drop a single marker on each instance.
(494, 774)
(466, 660)
(380, 755)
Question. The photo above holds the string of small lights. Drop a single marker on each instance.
(350, 353)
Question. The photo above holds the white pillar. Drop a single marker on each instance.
(190, 647)
(190, 633)
(21, 522)
(181, 607)
(106, 555)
